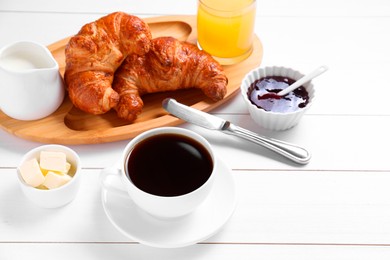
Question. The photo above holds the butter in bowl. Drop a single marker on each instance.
(49, 175)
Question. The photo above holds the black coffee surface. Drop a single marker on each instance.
(169, 165)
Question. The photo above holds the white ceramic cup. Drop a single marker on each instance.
(162, 206)
(31, 85)
(57, 197)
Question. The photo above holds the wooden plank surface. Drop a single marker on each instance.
(336, 207)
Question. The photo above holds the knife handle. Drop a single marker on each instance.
(288, 150)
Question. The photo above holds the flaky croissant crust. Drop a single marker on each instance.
(169, 65)
(95, 53)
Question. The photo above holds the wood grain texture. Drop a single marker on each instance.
(69, 125)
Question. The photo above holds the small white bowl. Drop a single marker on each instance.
(274, 120)
(57, 197)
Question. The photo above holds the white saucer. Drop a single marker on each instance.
(204, 222)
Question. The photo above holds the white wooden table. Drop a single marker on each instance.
(336, 207)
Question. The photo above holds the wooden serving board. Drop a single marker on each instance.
(69, 125)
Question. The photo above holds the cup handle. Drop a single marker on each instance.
(110, 178)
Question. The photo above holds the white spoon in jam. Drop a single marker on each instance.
(296, 84)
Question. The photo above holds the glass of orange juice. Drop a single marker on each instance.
(226, 29)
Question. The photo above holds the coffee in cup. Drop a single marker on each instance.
(169, 165)
(168, 171)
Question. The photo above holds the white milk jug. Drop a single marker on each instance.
(31, 86)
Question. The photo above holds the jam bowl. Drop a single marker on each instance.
(259, 88)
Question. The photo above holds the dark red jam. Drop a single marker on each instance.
(262, 93)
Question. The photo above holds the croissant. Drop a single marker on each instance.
(169, 65)
(94, 54)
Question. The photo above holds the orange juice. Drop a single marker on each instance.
(225, 28)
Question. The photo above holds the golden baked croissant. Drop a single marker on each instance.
(169, 65)
(94, 54)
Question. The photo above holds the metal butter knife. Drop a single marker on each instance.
(197, 117)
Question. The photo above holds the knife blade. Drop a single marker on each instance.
(291, 151)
